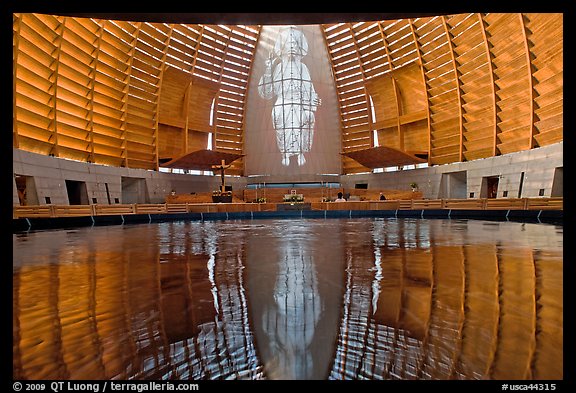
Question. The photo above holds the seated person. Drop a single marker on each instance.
(382, 197)
(340, 198)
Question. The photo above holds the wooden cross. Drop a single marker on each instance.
(222, 167)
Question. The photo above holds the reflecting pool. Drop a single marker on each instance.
(361, 298)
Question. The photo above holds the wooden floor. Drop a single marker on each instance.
(406, 204)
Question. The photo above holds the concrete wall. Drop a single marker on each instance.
(537, 164)
(49, 175)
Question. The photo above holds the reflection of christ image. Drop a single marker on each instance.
(289, 80)
(290, 321)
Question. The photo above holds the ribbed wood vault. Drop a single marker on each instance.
(134, 93)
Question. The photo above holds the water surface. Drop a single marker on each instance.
(363, 298)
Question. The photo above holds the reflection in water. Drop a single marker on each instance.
(291, 323)
(278, 299)
(294, 286)
(455, 300)
(134, 302)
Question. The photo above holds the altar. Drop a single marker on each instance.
(293, 206)
(219, 197)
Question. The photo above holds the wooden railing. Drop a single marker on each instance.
(47, 211)
(545, 204)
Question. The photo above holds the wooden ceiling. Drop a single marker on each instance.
(460, 87)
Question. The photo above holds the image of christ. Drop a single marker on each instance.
(287, 78)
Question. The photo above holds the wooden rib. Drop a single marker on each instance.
(493, 85)
(530, 79)
(159, 87)
(394, 86)
(142, 101)
(17, 24)
(186, 110)
(250, 76)
(338, 93)
(421, 64)
(92, 85)
(458, 89)
(363, 77)
(216, 98)
(54, 118)
(125, 92)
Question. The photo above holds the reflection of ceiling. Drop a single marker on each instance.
(202, 160)
(384, 156)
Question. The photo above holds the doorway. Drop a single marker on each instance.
(134, 190)
(558, 183)
(453, 185)
(489, 187)
(26, 188)
(77, 192)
